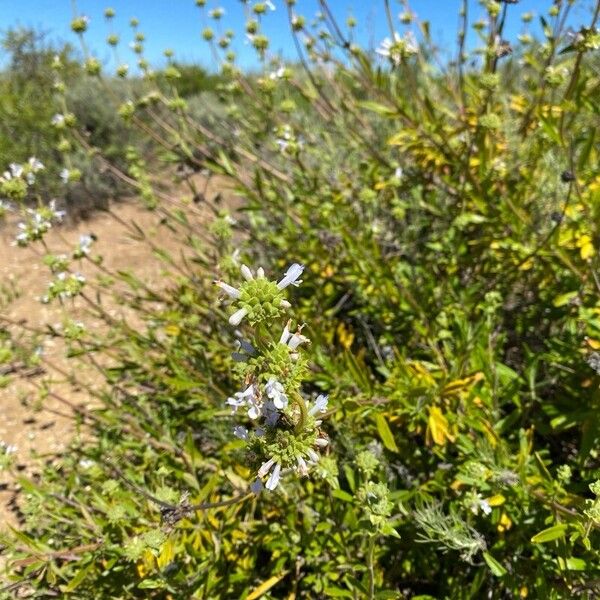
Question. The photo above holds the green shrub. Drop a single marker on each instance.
(447, 218)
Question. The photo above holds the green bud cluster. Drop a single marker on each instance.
(277, 362)
(262, 299)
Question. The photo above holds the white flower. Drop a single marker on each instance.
(398, 48)
(85, 243)
(278, 74)
(65, 174)
(480, 504)
(228, 289)
(7, 448)
(276, 392)
(16, 170)
(320, 405)
(236, 318)
(246, 398)
(59, 215)
(291, 276)
(35, 164)
(302, 466)
(314, 457)
(266, 467)
(273, 480)
(58, 119)
(292, 340)
(398, 173)
(385, 48)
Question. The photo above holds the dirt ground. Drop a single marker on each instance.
(41, 432)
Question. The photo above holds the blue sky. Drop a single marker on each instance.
(177, 24)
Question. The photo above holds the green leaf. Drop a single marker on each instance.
(342, 495)
(77, 579)
(552, 533)
(151, 584)
(495, 567)
(572, 563)
(563, 299)
(385, 433)
(380, 109)
(335, 592)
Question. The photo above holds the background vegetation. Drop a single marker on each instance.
(447, 216)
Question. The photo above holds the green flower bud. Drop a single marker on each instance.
(80, 24)
(92, 66)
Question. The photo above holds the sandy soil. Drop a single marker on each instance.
(41, 432)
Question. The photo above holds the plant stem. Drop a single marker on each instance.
(370, 566)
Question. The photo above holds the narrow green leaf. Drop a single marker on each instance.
(385, 433)
(495, 567)
(552, 533)
(342, 495)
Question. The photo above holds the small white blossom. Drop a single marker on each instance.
(320, 405)
(7, 448)
(276, 392)
(273, 480)
(58, 119)
(291, 276)
(35, 164)
(85, 243)
(16, 170)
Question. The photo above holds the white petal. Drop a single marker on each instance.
(246, 273)
(321, 442)
(280, 401)
(273, 480)
(237, 316)
(228, 289)
(296, 340)
(285, 336)
(285, 304)
(291, 276)
(260, 272)
(266, 467)
(312, 455)
(302, 467)
(320, 405)
(254, 412)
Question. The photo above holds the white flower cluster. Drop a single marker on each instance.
(398, 48)
(286, 426)
(26, 171)
(66, 285)
(38, 223)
